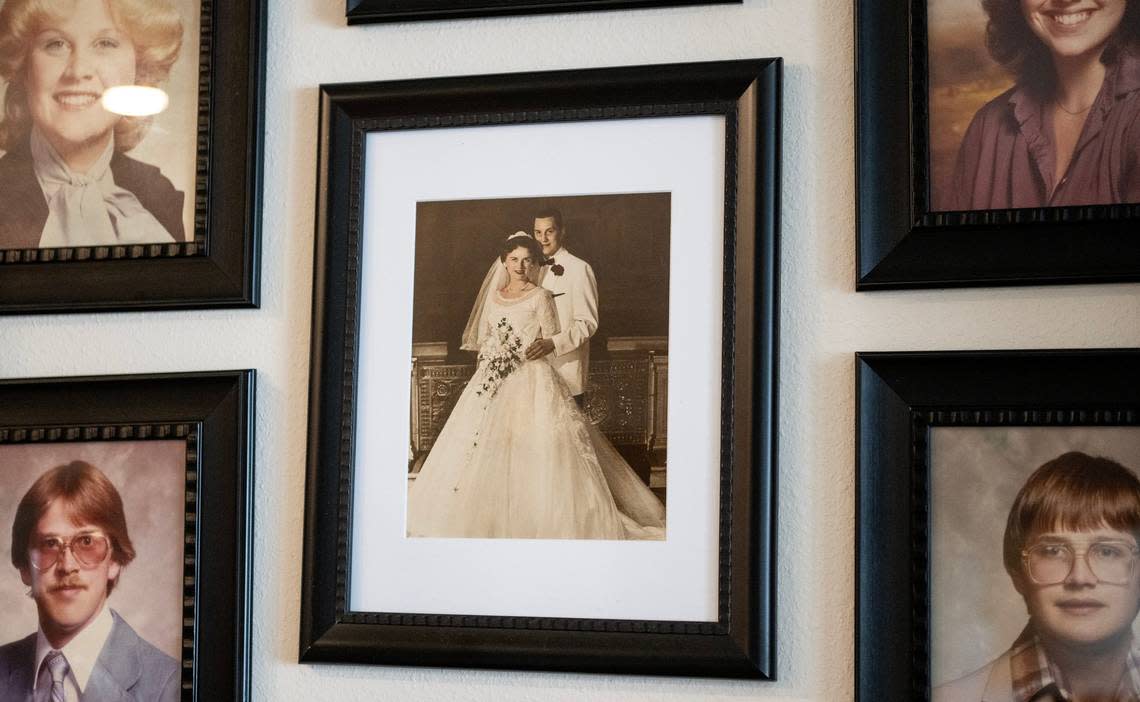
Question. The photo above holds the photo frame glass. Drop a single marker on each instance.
(112, 518)
(129, 125)
(495, 180)
(977, 473)
(1031, 106)
(963, 77)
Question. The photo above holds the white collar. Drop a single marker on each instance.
(560, 252)
(82, 651)
(53, 172)
(90, 209)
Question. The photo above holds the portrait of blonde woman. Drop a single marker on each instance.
(1034, 103)
(73, 172)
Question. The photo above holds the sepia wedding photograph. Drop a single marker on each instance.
(99, 133)
(1033, 103)
(93, 597)
(540, 381)
(1035, 535)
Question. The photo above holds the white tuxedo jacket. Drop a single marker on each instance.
(576, 299)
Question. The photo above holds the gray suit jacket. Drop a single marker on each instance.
(128, 670)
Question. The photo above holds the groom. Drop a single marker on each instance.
(571, 280)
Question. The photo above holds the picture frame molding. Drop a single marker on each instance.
(900, 396)
(372, 11)
(218, 266)
(742, 642)
(901, 243)
(188, 433)
(214, 413)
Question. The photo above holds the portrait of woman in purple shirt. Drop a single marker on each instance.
(1066, 133)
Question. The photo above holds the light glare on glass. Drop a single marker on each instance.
(135, 100)
(89, 550)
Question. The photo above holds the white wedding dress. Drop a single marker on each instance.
(517, 458)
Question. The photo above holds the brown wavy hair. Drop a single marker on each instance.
(155, 29)
(1013, 44)
(93, 500)
(1074, 491)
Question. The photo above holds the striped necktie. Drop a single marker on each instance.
(56, 665)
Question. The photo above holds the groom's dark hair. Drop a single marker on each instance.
(550, 213)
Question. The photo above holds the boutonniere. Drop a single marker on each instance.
(554, 267)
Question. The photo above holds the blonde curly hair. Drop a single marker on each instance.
(154, 27)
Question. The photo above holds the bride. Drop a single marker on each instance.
(517, 458)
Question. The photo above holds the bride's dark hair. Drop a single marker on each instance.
(525, 242)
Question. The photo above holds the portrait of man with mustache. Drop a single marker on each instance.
(70, 545)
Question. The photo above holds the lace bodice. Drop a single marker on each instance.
(526, 318)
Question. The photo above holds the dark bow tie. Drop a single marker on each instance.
(554, 267)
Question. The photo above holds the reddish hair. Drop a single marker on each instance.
(1076, 492)
(93, 500)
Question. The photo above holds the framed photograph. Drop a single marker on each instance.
(579, 270)
(127, 500)
(362, 11)
(130, 154)
(998, 518)
(995, 143)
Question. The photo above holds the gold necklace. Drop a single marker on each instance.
(1069, 112)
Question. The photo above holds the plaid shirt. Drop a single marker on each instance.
(1036, 680)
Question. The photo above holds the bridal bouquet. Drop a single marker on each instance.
(500, 356)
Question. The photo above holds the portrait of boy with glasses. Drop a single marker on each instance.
(70, 545)
(1070, 548)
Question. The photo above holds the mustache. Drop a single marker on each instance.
(70, 583)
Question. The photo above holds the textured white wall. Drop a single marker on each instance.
(824, 323)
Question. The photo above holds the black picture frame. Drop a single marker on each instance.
(742, 642)
(219, 265)
(901, 396)
(902, 243)
(213, 412)
(369, 11)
